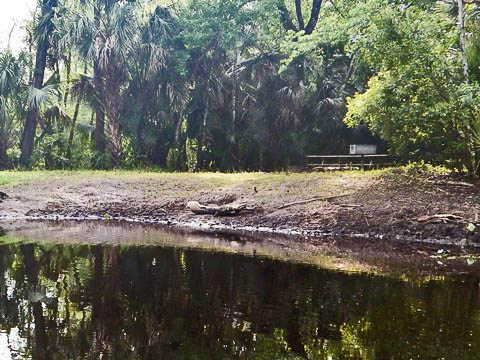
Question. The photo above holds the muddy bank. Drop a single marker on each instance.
(392, 206)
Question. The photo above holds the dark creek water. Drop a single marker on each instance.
(67, 301)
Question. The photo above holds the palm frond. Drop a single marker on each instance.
(77, 30)
(45, 25)
(5, 118)
(85, 129)
(38, 98)
(10, 72)
(56, 113)
(155, 58)
(161, 28)
(123, 31)
(3, 111)
(82, 87)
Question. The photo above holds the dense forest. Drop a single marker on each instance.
(237, 85)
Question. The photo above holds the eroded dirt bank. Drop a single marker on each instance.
(393, 205)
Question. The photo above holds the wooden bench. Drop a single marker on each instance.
(349, 162)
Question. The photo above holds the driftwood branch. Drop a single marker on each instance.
(224, 210)
(453, 183)
(314, 199)
(440, 218)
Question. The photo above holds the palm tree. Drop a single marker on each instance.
(156, 96)
(82, 89)
(43, 31)
(12, 89)
(47, 103)
(103, 31)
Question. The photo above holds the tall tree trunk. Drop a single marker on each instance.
(99, 109)
(235, 113)
(179, 144)
(140, 146)
(92, 124)
(99, 86)
(113, 104)
(28, 135)
(299, 62)
(68, 65)
(287, 21)
(315, 13)
(202, 139)
(3, 151)
(298, 10)
(75, 117)
(178, 127)
(48, 150)
(181, 160)
(461, 28)
(72, 129)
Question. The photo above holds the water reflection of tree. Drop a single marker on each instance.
(149, 303)
(32, 268)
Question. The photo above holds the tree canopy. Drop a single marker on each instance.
(241, 84)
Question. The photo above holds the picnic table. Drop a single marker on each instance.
(349, 162)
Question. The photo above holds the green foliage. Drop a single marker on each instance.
(13, 96)
(418, 100)
(243, 84)
(421, 167)
(101, 160)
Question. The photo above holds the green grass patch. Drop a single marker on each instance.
(156, 183)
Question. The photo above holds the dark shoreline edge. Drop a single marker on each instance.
(397, 256)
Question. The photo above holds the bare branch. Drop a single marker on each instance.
(298, 8)
(285, 17)
(317, 4)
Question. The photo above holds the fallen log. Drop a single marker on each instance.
(314, 199)
(224, 210)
